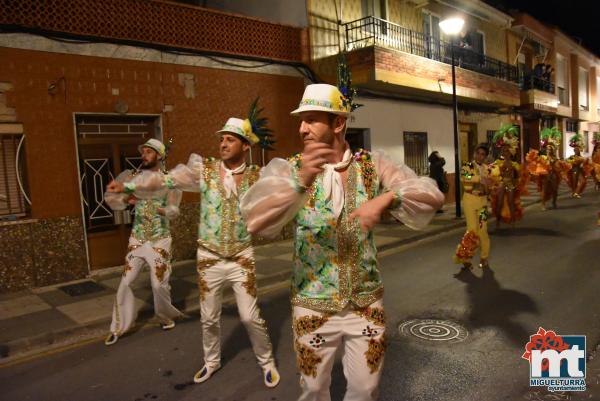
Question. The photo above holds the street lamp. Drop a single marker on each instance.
(451, 27)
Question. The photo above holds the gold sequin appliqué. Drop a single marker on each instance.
(249, 267)
(375, 353)
(306, 359)
(203, 288)
(160, 268)
(375, 315)
(307, 324)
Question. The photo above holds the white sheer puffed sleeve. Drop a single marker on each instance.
(118, 201)
(186, 177)
(416, 198)
(173, 201)
(273, 200)
(183, 177)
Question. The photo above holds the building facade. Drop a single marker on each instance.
(83, 83)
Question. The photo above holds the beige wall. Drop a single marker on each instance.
(388, 119)
(326, 39)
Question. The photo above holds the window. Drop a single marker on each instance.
(377, 9)
(415, 152)
(12, 199)
(494, 151)
(571, 126)
(583, 89)
(562, 81)
(431, 30)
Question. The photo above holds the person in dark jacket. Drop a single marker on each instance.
(437, 173)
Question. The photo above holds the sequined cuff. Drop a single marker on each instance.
(129, 187)
(298, 187)
(396, 202)
(169, 182)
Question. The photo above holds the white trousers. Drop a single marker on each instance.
(155, 254)
(318, 335)
(213, 272)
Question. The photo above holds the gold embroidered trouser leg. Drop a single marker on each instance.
(317, 336)
(160, 272)
(156, 255)
(214, 272)
(473, 206)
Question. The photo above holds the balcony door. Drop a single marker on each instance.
(431, 32)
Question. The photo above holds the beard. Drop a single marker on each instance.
(148, 165)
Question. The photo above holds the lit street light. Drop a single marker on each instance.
(452, 27)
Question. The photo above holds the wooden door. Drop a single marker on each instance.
(107, 145)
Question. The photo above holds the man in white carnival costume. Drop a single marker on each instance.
(225, 252)
(335, 198)
(149, 243)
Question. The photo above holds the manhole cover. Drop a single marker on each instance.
(83, 288)
(433, 330)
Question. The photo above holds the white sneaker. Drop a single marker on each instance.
(167, 326)
(271, 375)
(205, 373)
(111, 339)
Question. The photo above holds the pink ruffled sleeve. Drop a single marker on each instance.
(273, 200)
(417, 198)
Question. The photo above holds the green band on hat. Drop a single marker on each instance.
(233, 128)
(315, 102)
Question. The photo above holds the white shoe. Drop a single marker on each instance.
(167, 326)
(111, 339)
(271, 375)
(205, 373)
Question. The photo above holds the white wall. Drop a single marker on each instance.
(388, 119)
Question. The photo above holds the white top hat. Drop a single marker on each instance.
(239, 127)
(323, 97)
(155, 145)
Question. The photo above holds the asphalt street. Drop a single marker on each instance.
(545, 272)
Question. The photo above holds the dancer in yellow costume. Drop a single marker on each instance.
(475, 176)
(508, 183)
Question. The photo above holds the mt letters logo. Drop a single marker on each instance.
(556, 362)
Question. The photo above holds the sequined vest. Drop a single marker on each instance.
(222, 229)
(335, 263)
(148, 224)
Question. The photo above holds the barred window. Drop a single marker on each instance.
(415, 152)
(12, 178)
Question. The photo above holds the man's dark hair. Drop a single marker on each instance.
(485, 148)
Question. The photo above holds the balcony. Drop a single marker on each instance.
(155, 23)
(538, 95)
(370, 31)
(532, 82)
(388, 58)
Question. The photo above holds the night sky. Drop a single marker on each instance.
(577, 18)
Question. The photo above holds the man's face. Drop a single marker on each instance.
(506, 152)
(149, 158)
(320, 126)
(577, 150)
(232, 147)
(479, 155)
(550, 150)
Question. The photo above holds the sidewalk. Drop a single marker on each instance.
(54, 317)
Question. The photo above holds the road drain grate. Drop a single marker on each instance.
(433, 330)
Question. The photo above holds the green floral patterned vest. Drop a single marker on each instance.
(334, 261)
(148, 225)
(222, 229)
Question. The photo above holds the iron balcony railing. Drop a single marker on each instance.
(533, 82)
(370, 31)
